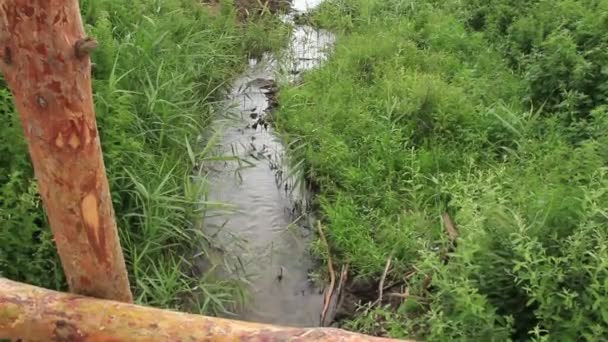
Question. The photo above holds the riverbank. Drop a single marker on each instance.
(455, 150)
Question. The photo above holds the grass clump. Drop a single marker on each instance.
(559, 47)
(442, 115)
(160, 67)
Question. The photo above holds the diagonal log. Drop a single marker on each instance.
(29, 313)
(44, 56)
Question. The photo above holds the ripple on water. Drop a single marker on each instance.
(260, 232)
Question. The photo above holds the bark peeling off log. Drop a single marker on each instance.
(52, 89)
(33, 314)
(84, 47)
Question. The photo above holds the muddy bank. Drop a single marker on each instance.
(264, 227)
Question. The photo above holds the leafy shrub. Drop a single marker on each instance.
(559, 45)
(491, 111)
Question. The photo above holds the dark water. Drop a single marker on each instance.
(265, 229)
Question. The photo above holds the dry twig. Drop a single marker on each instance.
(382, 280)
(332, 275)
(342, 285)
(450, 227)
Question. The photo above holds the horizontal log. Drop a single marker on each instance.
(29, 313)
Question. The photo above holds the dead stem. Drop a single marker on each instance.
(382, 280)
(332, 275)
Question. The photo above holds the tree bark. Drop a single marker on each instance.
(29, 313)
(45, 59)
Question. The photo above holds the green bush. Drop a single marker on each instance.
(559, 46)
(463, 107)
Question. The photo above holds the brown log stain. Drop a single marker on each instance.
(85, 281)
(55, 86)
(28, 10)
(8, 56)
(67, 332)
(46, 69)
(41, 49)
(41, 18)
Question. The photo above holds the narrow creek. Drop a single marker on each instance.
(265, 227)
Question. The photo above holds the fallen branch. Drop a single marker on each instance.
(382, 280)
(341, 285)
(336, 299)
(343, 277)
(452, 232)
(406, 294)
(403, 295)
(450, 227)
(332, 275)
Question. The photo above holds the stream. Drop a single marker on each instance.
(265, 226)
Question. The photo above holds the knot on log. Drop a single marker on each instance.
(84, 47)
(41, 101)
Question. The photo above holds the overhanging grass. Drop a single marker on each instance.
(159, 69)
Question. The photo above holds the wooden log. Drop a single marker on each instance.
(44, 55)
(29, 313)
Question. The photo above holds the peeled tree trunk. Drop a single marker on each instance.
(44, 56)
(29, 313)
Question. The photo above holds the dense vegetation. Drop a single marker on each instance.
(159, 68)
(492, 111)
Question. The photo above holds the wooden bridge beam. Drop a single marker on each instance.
(29, 313)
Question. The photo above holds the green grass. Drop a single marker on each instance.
(491, 111)
(160, 68)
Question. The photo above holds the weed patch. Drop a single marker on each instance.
(160, 67)
(489, 112)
